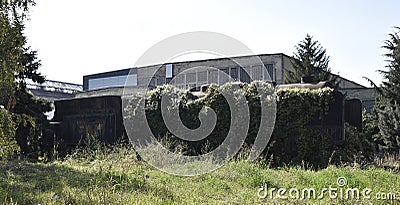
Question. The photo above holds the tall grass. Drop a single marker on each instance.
(114, 175)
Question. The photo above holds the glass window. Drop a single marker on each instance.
(179, 79)
(160, 80)
(213, 76)
(168, 72)
(234, 74)
(256, 72)
(153, 82)
(245, 76)
(190, 77)
(224, 78)
(270, 70)
(202, 77)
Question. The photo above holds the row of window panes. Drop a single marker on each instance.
(199, 78)
(155, 81)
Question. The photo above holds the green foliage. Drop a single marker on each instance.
(357, 147)
(388, 102)
(11, 50)
(115, 176)
(293, 139)
(16, 10)
(8, 144)
(310, 59)
(18, 63)
(33, 137)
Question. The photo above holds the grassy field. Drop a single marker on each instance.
(117, 177)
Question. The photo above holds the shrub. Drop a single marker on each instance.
(34, 137)
(293, 141)
(8, 144)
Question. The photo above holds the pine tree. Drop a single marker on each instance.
(18, 63)
(13, 53)
(309, 60)
(388, 102)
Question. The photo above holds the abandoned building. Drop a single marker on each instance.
(276, 66)
(97, 109)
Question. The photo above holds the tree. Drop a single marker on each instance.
(388, 107)
(310, 60)
(13, 54)
(18, 63)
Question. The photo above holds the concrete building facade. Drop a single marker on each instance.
(192, 74)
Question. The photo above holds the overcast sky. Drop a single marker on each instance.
(81, 37)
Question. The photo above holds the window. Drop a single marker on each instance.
(234, 74)
(257, 72)
(202, 77)
(168, 71)
(245, 76)
(213, 76)
(160, 81)
(224, 76)
(179, 79)
(270, 70)
(153, 82)
(190, 77)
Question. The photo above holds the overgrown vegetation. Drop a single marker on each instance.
(294, 140)
(115, 176)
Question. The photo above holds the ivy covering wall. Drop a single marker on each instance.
(293, 140)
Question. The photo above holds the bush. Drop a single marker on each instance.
(34, 137)
(355, 148)
(293, 141)
(8, 144)
(360, 147)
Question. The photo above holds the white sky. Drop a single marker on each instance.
(82, 37)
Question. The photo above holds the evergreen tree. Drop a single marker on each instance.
(388, 102)
(18, 63)
(13, 54)
(310, 60)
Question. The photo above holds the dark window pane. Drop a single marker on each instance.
(234, 74)
(270, 69)
(224, 78)
(244, 76)
(160, 81)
